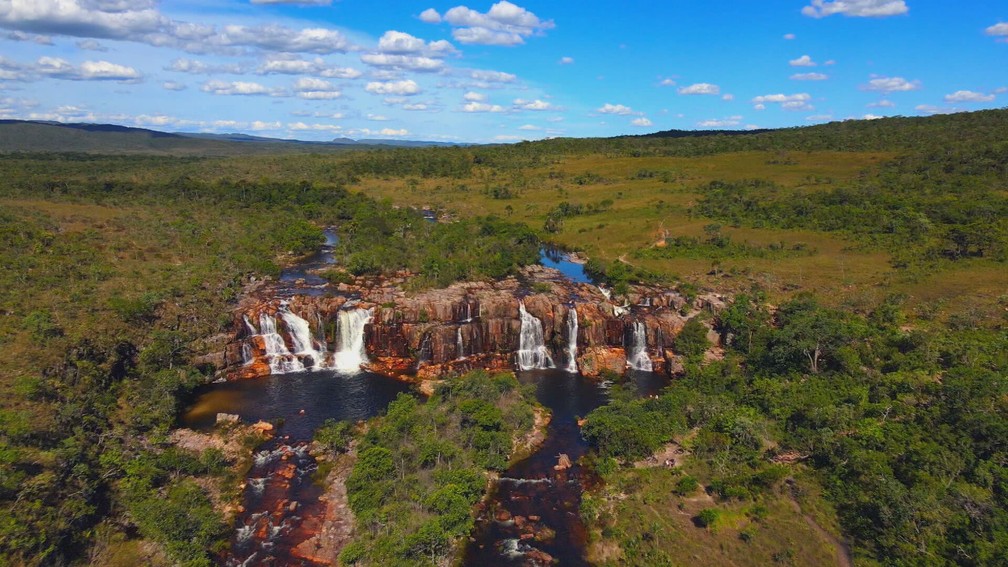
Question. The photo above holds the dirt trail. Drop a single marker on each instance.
(843, 552)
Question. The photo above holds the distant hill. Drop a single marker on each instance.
(31, 136)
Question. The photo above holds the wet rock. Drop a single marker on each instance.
(227, 418)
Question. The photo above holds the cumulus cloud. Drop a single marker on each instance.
(504, 24)
(700, 89)
(522, 104)
(856, 8)
(140, 21)
(403, 62)
(931, 109)
(406, 87)
(481, 107)
(34, 38)
(667, 83)
(799, 101)
(197, 67)
(999, 29)
(492, 76)
(430, 16)
(728, 96)
(529, 127)
(173, 86)
(310, 88)
(891, 84)
(566, 61)
(88, 70)
(397, 42)
(608, 108)
(789, 36)
(90, 45)
(809, 77)
(472, 96)
(242, 88)
(803, 61)
(728, 122)
(641, 122)
(968, 96)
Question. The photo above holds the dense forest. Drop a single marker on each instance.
(865, 351)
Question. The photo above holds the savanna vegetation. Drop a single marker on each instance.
(421, 468)
(871, 354)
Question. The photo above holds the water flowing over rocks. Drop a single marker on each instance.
(513, 323)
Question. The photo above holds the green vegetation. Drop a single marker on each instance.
(880, 369)
(420, 468)
(904, 429)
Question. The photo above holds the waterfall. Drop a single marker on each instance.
(532, 353)
(246, 351)
(248, 325)
(607, 293)
(281, 360)
(637, 356)
(572, 332)
(351, 354)
(459, 346)
(304, 343)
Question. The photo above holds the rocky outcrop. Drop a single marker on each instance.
(450, 331)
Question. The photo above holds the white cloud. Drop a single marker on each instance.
(642, 122)
(891, 84)
(882, 104)
(667, 83)
(999, 29)
(316, 127)
(406, 87)
(803, 61)
(377, 117)
(700, 89)
(340, 73)
(799, 101)
(566, 61)
(298, 2)
(406, 62)
(242, 88)
(430, 16)
(481, 107)
(728, 96)
(809, 77)
(968, 96)
(931, 109)
(173, 86)
(34, 38)
(310, 88)
(416, 106)
(401, 43)
(789, 36)
(88, 70)
(383, 132)
(608, 108)
(529, 128)
(856, 8)
(819, 118)
(90, 45)
(504, 24)
(729, 122)
(474, 97)
(871, 117)
(196, 67)
(140, 21)
(260, 125)
(492, 76)
(522, 104)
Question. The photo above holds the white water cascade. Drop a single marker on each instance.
(246, 352)
(351, 354)
(532, 353)
(637, 356)
(459, 345)
(572, 333)
(281, 360)
(304, 343)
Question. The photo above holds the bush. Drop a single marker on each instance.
(692, 339)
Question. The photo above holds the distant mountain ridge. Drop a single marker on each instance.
(44, 136)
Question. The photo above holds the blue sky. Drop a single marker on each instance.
(492, 72)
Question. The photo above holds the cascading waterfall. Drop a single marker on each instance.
(281, 360)
(304, 343)
(532, 353)
(246, 352)
(351, 354)
(572, 333)
(637, 356)
(248, 325)
(459, 345)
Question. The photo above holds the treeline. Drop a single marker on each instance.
(906, 430)
(922, 208)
